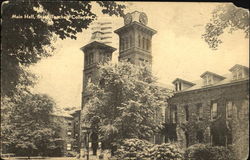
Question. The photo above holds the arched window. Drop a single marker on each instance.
(143, 43)
(91, 58)
(147, 46)
(130, 40)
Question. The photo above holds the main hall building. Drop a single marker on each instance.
(214, 109)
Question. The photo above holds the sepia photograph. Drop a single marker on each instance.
(124, 80)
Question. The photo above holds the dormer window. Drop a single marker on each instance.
(239, 72)
(181, 84)
(210, 78)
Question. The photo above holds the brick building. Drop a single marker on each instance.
(214, 109)
(67, 139)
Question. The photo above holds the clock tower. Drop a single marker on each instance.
(135, 39)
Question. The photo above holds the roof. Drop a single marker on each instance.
(227, 80)
(187, 82)
(95, 43)
(134, 23)
(211, 73)
(238, 66)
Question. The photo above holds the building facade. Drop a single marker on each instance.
(67, 139)
(213, 110)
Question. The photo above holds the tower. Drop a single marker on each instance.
(135, 39)
(94, 53)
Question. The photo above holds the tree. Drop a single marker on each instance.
(126, 104)
(26, 124)
(225, 17)
(29, 29)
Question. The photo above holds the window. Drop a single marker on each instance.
(89, 79)
(130, 40)
(126, 43)
(199, 111)
(179, 86)
(173, 114)
(176, 86)
(238, 74)
(234, 75)
(229, 138)
(68, 147)
(229, 109)
(187, 112)
(122, 44)
(147, 44)
(214, 110)
(208, 80)
(69, 133)
(139, 40)
(87, 59)
(143, 43)
(91, 58)
(199, 137)
(187, 139)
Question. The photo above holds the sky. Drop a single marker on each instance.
(177, 49)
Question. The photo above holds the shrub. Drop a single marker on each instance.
(208, 152)
(135, 149)
(165, 151)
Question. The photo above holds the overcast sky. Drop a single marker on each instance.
(177, 49)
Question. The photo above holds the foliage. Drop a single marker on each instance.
(26, 126)
(127, 103)
(133, 148)
(142, 149)
(225, 17)
(29, 29)
(208, 152)
(165, 151)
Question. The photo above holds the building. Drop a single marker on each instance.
(133, 49)
(214, 110)
(66, 135)
(135, 39)
(76, 130)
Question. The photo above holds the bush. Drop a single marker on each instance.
(165, 151)
(135, 149)
(132, 149)
(208, 152)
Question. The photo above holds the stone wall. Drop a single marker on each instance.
(217, 131)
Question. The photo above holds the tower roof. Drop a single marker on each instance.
(136, 25)
(96, 44)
